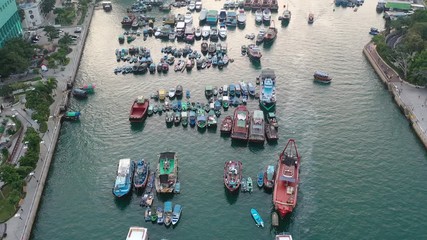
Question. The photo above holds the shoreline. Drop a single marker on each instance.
(395, 86)
(32, 199)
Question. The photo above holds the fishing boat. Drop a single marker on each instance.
(271, 133)
(198, 33)
(171, 93)
(147, 214)
(310, 18)
(167, 212)
(283, 236)
(243, 186)
(270, 34)
(203, 14)
(178, 91)
(141, 174)
(201, 120)
(176, 215)
(374, 31)
(226, 125)
(179, 65)
(287, 179)
(187, 94)
(204, 47)
(79, 93)
(322, 77)
(169, 117)
(208, 91)
(272, 119)
(269, 176)
(254, 52)
(241, 120)
(167, 172)
(212, 120)
(212, 17)
(222, 15)
(160, 218)
(249, 184)
(206, 31)
(233, 175)
(138, 111)
(241, 17)
(137, 233)
(127, 21)
(260, 179)
(267, 100)
(124, 178)
(257, 218)
(222, 33)
(225, 102)
(286, 16)
(177, 118)
(153, 214)
(214, 34)
(71, 116)
(266, 16)
(258, 16)
(256, 129)
(192, 118)
(251, 89)
(260, 36)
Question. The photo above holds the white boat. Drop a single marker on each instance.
(176, 215)
(191, 6)
(137, 233)
(198, 32)
(198, 5)
(206, 31)
(241, 17)
(258, 16)
(171, 93)
(203, 14)
(222, 32)
(266, 15)
(188, 18)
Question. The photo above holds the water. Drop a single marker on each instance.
(363, 168)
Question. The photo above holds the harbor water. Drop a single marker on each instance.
(363, 170)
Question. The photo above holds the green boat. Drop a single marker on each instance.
(153, 215)
(184, 119)
(167, 172)
(184, 106)
(130, 39)
(150, 110)
(121, 39)
(201, 118)
(225, 103)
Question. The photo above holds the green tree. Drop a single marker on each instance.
(51, 32)
(15, 56)
(9, 174)
(47, 6)
(66, 40)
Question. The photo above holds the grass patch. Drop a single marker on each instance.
(7, 210)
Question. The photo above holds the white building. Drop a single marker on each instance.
(33, 15)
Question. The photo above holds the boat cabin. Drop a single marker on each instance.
(209, 91)
(162, 94)
(225, 90)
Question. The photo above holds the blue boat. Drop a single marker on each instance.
(232, 89)
(123, 183)
(212, 17)
(177, 187)
(167, 213)
(267, 100)
(251, 89)
(176, 215)
(187, 94)
(192, 118)
(217, 105)
(257, 218)
(244, 89)
(160, 217)
(260, 180)
(140, 177)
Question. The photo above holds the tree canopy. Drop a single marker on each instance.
(47, 6)
(16, 56)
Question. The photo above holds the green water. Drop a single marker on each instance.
(362, 170)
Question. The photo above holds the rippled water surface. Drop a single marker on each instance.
(362, 172)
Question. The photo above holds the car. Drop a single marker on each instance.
(78, 30)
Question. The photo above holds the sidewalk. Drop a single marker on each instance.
(19, 227)
(411, 99)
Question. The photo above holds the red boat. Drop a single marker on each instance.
(233, 175)
(241, 120)
(287, 179)
(227, 125)
(138, 112)
(128, 20)
(271, 34)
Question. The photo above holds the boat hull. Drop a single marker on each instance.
(267, 106)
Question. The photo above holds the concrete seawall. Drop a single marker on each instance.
(55, 126)
(377, 64)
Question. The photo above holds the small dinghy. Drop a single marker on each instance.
(260, 180)
(257, 218)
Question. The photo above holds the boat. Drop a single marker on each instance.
(283, 236)
(71, 116)
(222, 15)
(191, 6)
(286, 16)
(310, 18)
(249, 184)
(203, 14)
(241, 123)
(212, 17)
(267, 100)
(260, 36)
(208, 91)
(184, 119)
(322, 77)
(254, 52)
(124, 178)
(232, 90)
(167, 172)
(201, 120)
(243, 185)
(374, 31)
(198, 33)
(272, 120)
(154, 215)
(271, 133)
(231, 20)
(179, 65)
(270, 34)
(251, 89)
(137, 233)
(177, 117)
(258, 16)
(177, 187)
(79, 93)
(160, 218)
(141, 174)
(241, 17)
(138, 111)
(192, 118)
(260, 179)
(167, 212)
(212, 120)
(198, 6)
(222, 32)
(147, 214)
(214, 34)
(206, 31)
(274, 219)
(225, 102)
(204, 47)
(171, 93)
(256, 129)
(176, 215)
(257, 218)
(233, 175)
(266, 15)
(287, 179)
(127, 21)
(269, 177)
(226, 125)
(178, 91)
(244, 88)
(121, 40)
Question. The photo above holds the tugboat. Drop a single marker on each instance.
(123, 183)
(141, 174)
(287, 179)
(241, 120)
(138, 112)
(233, 175)
(167, 172)
(271, 34)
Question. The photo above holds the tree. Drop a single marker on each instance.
(47, 6)
(9, 174)
(51, 33)
(402, 58)
(52, 63)
(51, 83)
(15, 56)
(66, 40)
